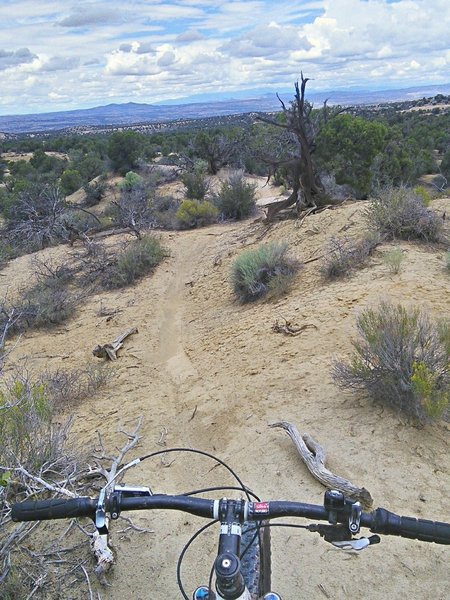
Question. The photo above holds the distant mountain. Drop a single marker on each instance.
(133, 113)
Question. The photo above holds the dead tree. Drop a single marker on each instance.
(303, 126)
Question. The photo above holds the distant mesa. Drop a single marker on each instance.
(132, 113)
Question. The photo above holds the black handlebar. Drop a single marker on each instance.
(379, 521)
(389, 523)
(55, 508)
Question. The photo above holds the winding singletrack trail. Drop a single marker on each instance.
(205, 372)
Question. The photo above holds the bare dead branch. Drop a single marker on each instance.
(313, 455)
(288, 328)
(109, 351)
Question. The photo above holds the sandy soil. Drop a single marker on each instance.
(205, 372)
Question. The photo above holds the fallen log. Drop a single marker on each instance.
(288, 328)
(313, 455)
(109, 351)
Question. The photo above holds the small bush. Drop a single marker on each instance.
(7, 252)
(447, 260)
(236, 198)
(45, 306)
(65, 388)
(423, 194)
(49, 302)
(393, 260)
(94, 192)
(344, 254)
(256, 272)
(196, 213)
(138, 259)
(165, 211)
(131, 181)
(400, 213)
(196, 182)
(70, 181)
(133, 209)
(401, 358)
(26, 430)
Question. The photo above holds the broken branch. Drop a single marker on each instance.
(110, 350)
(313, 455)
(289, 329)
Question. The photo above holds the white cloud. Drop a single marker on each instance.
(14, 58)
(60, 63)
(267, 40)
(145, 48)
(89, 15)
(190, 36)
(167, 59)
(149, 50)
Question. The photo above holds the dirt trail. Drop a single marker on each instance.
(208, 373)
(171, 350)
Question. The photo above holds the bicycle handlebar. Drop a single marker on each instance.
(54, 508)
(379, 521)
(389, 523)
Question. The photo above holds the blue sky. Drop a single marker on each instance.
(64, 54)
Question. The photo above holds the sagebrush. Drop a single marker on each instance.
(196, 213)
(401, 358)
(343, 255)
(400, 213)
(256, 272)
(196, 181)
(393, 260)
(236, 197)
(139, 258)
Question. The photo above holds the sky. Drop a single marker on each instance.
(65, 54)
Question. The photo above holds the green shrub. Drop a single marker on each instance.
(443, 328)
(7, 252)
(393, 260)
(25, 425)
(401, 358)
(165, 211)
(236, 197)
(400, 213)
(94, 192)
(196, 181)
(130, 181)
(344, 254)
(70, 181)
(256, 272)
(46, 306)
(447, 260)
(33, 450)
(423, 194)
(196, 213)
(49, 302)
(138, 259)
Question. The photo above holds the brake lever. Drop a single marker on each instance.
(338, 536)
(357, 544)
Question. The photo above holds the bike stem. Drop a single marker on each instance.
(229, 580)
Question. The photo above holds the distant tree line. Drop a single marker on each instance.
(354, 153)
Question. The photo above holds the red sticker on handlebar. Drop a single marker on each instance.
(260, 507)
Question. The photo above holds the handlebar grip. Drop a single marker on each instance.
(54, 508)
(389, 523)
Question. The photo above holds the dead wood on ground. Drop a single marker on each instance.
(288, 328)
(109, 351)
(313, 455)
